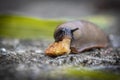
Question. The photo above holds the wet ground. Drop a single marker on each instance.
(25, 60)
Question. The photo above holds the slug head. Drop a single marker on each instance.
(62, 33)
(63, 37)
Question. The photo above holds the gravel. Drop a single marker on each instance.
(25, 60)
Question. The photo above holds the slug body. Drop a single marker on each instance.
(83, 35)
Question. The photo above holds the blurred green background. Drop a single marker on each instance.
(16, 26)
(38, 19)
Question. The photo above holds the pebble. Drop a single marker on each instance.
(34, 59)
(3, 51)
(38, 51)
(20, 51)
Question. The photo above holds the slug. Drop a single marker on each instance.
(76, 37)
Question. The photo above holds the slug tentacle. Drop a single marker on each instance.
(73, 30)
(62, 33)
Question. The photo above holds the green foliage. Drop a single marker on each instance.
(87, 74)
(26, 27)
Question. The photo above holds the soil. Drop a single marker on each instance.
(22, 59)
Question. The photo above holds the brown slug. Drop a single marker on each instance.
(75, 37)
